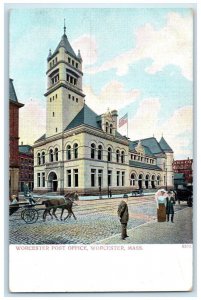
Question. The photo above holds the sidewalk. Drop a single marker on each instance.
(179, 232)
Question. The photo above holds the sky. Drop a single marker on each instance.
(136, 60)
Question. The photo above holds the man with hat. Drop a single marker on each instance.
(170, 202)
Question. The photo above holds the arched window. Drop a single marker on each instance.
(110, 128)
(132, 179)
(117, 155)
(100, 151)
(109, 154)
(75, 150)
(51, 156)
(38, 159)
(122, 157)
(158, 180)
(93, 149)
(43, 157)
(56, 153)
(106, 126)
(68, 152)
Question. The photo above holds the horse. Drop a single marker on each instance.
(63, 203)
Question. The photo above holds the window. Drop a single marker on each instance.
(76, 182)
(76, 65)
(117, 155)
(56, 153)
(109, 178)
(75, 150)
(100, 176)
(118, 174)
(110, 128)
(38, 159)
(56, 129)
(50, 65)
(69, 178)
(53, 97)
(158, 180)
(50, 99)
(53, 114)
(122, 157)
(109, 154)
(43, 179)
(43, 158)
(100, 150)
(69, 60)
(55, 60)
(69, 96)
(56, 96)
(77, 100)
(51, 157)
(73, 98)
(68, 152)
(123, 179)
(73, 62)
(93, 177)
(106, 126)
(93, 149)
(132, 180)
(38, 179)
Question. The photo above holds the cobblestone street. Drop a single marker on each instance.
(97, 222)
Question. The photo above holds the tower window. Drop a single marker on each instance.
(69, 60)
(77, 100)
(73, 62)
(56, 129)
(56, 60)
(76, 65)
(53, 114)
(50, 99)
(53, 98)
(56, 96)
(73, 98)
(69, 96)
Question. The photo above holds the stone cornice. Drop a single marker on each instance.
(66, 86)
(78, 130)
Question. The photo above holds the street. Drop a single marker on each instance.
(97, 222)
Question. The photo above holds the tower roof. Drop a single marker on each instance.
(12, 93)
(164, 145)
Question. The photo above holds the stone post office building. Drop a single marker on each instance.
(82, 151)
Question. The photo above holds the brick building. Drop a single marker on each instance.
(26, 163)
(14, 106)
(185, 167)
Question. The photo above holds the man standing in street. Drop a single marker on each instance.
(124, 217)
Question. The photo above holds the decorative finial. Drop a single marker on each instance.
(64, 26)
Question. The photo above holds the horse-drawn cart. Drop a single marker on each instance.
(29, 212)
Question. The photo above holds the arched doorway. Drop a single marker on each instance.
(52, 181)
(147, 181)
(140, 181)
(153, 181)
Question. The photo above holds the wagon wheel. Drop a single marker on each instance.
(30, 215)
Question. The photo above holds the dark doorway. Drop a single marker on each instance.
(140, 181)
(52, 180)
(147, 181)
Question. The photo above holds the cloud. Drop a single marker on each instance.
(113, 96)
(88, 47)
(144, 123)
(170, 45)
(32, 121)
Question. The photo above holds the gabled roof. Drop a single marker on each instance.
(164, 145)
(137, 164)
(132, 146)
(86, 116)
(152, 144)
(66, 45)
(12, 93)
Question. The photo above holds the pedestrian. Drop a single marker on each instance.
(160, 198)
(170, 202)
(124, 217)
(14, 199)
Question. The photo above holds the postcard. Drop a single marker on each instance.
(101, 149)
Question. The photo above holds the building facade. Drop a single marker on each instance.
(185, 167)
(84, 151)
(26, 167)
(14, 106)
